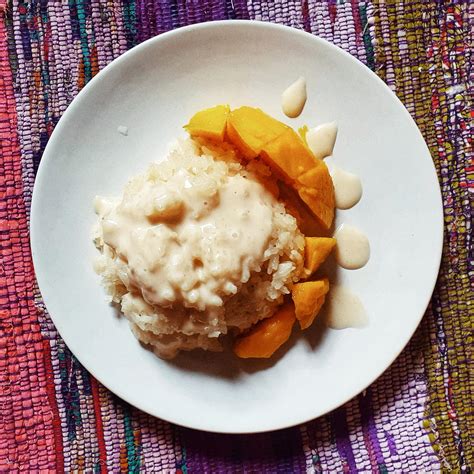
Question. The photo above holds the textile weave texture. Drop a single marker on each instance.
(55, 417)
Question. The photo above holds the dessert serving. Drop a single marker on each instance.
(222, 238)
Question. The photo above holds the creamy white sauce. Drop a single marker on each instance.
(294, 98)
(347, 188)
(352, 247)
(189, 239)
(344, 309)
(321, 139)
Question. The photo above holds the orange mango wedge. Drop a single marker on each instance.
(288, 155)
(293, 161)
(265, 337)
(316, 190)
(209, 123)
(308, 298)
(249, 129)
(307, 222)
(316, 251)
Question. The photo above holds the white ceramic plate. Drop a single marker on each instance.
(153, 90)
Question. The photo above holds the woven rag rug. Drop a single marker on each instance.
(55, 417)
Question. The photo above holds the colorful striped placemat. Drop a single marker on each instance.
(55, 417)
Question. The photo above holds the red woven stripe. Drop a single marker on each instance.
(27, 441)
(99, 426)
(58, 437)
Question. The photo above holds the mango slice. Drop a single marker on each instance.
(209, 123)
(316, 190)
(288, 155)
(316, 251)
(249, 129)
(307, 222)
(293, 161)
(268, 335)
(308, 298)
(305, 323)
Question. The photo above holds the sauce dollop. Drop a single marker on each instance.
(321, 139)
(344, 309)
(347, 188)
(352, 247)
(294, 98)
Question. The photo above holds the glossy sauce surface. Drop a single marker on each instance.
(189, 239)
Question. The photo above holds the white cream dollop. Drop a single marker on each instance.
(352, 247)
(344, 309)
(321, 139)
(294, 98)
(347, 188)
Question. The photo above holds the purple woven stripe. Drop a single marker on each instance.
(276, 452)
(163, 15)
(341, 432)
(369, 428)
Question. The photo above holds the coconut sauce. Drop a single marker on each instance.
(294, 98)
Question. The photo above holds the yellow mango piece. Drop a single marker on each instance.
(267, 335)
(288, 155)
(307, 299)
(321, 209)
(249, 129)
(316, 251)
(317, 177)
(298, 167)
(209, 123)
(307, 222)
(306, 322)
(316, 189)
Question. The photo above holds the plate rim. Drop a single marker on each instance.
(244, 24)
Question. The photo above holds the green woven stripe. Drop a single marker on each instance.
(430, 69)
